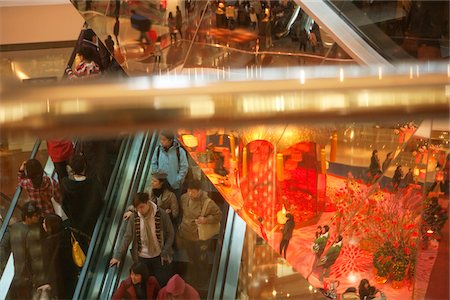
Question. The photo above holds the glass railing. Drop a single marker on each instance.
(106, 229)
(400, 30)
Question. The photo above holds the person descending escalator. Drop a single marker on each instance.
(177, 288)
(40, 187)
(14, 241)
(82, 199)
(53, 270)
(139, 285)
(151, 234)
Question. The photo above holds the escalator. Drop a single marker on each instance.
(384, 32)
(99, 281)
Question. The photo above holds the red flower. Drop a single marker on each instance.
(407, 252)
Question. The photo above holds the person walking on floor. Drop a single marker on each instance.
(172, 23)
(287, 232)
(397, 178)
(142, 24)
(330, 257)
(179, 21)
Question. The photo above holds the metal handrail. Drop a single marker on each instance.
(100, 220)
(113, 273)
(15, 198)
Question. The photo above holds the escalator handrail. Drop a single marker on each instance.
(102, 216)
(114, 273)
(15, 198)
(361, 33)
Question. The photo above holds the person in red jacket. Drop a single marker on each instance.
(177, 288)
(60, 152)
(139, 285)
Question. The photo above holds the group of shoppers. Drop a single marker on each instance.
(163, 219)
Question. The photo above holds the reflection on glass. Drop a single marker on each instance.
(211, 34)
(356, 216)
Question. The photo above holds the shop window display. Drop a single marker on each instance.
(319, 175)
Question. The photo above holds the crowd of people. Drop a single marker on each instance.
(163, 220)
(41, 243)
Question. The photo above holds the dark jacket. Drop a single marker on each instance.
(288, 229)
(127, 290)
(51, 261)
(14, 241)
(82, 201)
(140, 22)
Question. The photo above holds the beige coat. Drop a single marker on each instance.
(192, 209)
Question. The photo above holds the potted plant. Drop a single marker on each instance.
(382, 261)
(398, 273)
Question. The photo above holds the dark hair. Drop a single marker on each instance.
(53, 223)
(141, 197)
(87, 52)
(326, 228)
(78, 164)
(339, 238)
(34, 171)
(195, 185)
(290, 216)
(374, 152)
(363, 291)
(165, 185)
(350, 290)
(168, 134)
(140, 269)
(88, 34)
(170, 15)
(29, 209)
(133, 11)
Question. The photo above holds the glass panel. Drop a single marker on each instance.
(401, 29)
(211, 39)
(324, 175)
(45, 64)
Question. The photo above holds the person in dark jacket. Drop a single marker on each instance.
(139, 285)
(287, 231)
(397, 178)
(82, 199)
(142, 24)
(52, 267)
(375, 168)
(14, 241)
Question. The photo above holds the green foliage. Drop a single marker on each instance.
(382, 259)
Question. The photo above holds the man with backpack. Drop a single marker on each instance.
(170, 158)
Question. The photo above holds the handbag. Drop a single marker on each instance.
(77, 253)
(208, 230)
(56, 206)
